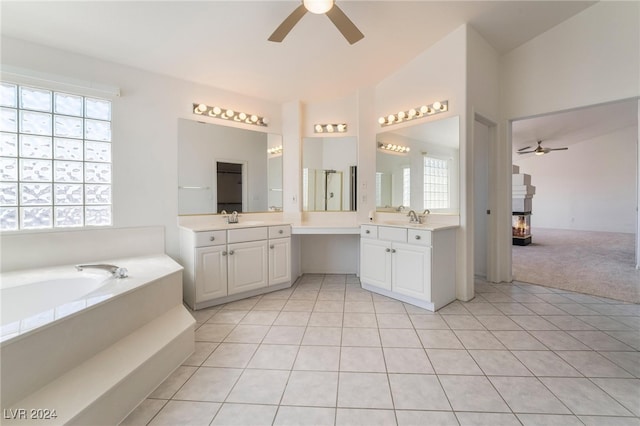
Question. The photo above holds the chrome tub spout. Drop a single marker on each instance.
(116, 271)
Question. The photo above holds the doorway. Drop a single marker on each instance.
(230, 178)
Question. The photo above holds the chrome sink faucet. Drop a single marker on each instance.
(116, 271)
(233, 217)
(413, 217)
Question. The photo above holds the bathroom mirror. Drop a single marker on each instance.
(329, 173)
(424, 177)
(226, 168)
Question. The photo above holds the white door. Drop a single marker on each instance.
(279, 261)
(248, 266)
(411, 270)
(211, 273)
(375, 263)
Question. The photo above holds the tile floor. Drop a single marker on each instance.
(326, 352)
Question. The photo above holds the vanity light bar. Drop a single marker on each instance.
(275, 150)
(229, 114)
(330, 128)
(413, 113)
(394, 148)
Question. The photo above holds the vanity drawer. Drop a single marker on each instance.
(368, 231)
(388, 233)
(210, 238)
(241, 235)
(280, 231)
(419, 236)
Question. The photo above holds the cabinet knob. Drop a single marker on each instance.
(281, 232)
(388, 250)
(224, 253)
(271, 246)
(367, 232)
(393, 250)
(231, 252)
(212, 238)
(418, 237)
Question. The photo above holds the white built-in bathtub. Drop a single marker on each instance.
(86, 344)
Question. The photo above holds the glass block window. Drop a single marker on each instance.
(436, 183)
(378, 189)
(406, 186)
(55, 159)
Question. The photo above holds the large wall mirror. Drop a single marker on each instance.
(226, 168)
(424, 177)
(329, 174)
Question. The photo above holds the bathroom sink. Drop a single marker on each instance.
(404, 223)
(248, 223)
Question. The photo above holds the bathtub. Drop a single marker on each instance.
(82, 343)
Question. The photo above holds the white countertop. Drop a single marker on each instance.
(328, 225)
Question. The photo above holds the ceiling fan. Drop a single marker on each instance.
(540, 150)
(327, 7)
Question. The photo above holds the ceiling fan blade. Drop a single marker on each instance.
(523, 148)
(556, 149)
(526, 152)
(344, 25)
(287, 25)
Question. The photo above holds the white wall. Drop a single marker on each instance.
(592, 58)
(589, 187)
(145, 122)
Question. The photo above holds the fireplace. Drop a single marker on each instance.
(521, 228)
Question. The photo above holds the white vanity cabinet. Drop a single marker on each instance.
(225, 265)
(279, 254)
(416, 266)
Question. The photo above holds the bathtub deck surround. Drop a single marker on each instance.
(102, 344)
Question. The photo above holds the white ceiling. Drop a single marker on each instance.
(224, 43)
(564, 129)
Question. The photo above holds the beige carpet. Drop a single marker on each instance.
(596, 263)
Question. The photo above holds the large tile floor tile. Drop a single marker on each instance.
(361, 337)
(311, 389)
(318, 358)
(304, 416)
(407, 360)
(360, 417)
(625, 391)
(284, 335)
(431, 418)
(499, 363)
(447, 361)
(399, 338)
(473, 393)
(233, 355)
(244, 414)
(417, 392)
(549, 420)
(592, 364)
(546, 364)
(144, 412)
(170, 386)
(185, 412)
(322, 336)
(487, 419)
(528, 395)
(259, 387)
(362, 359)
(364, 390)
(583, 397)
(274, 357)
(439, 339)
(209, 384)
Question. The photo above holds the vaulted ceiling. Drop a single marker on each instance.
(224, 43)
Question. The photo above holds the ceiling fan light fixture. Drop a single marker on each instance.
(318, 6)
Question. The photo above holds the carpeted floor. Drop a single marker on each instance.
(596, 263)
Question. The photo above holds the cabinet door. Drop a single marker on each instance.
(375, 263)
(248, 266)
(411, 267)
(211, 273)
(279, 261)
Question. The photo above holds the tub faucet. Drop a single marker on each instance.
(116, 271)
(413, 217)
